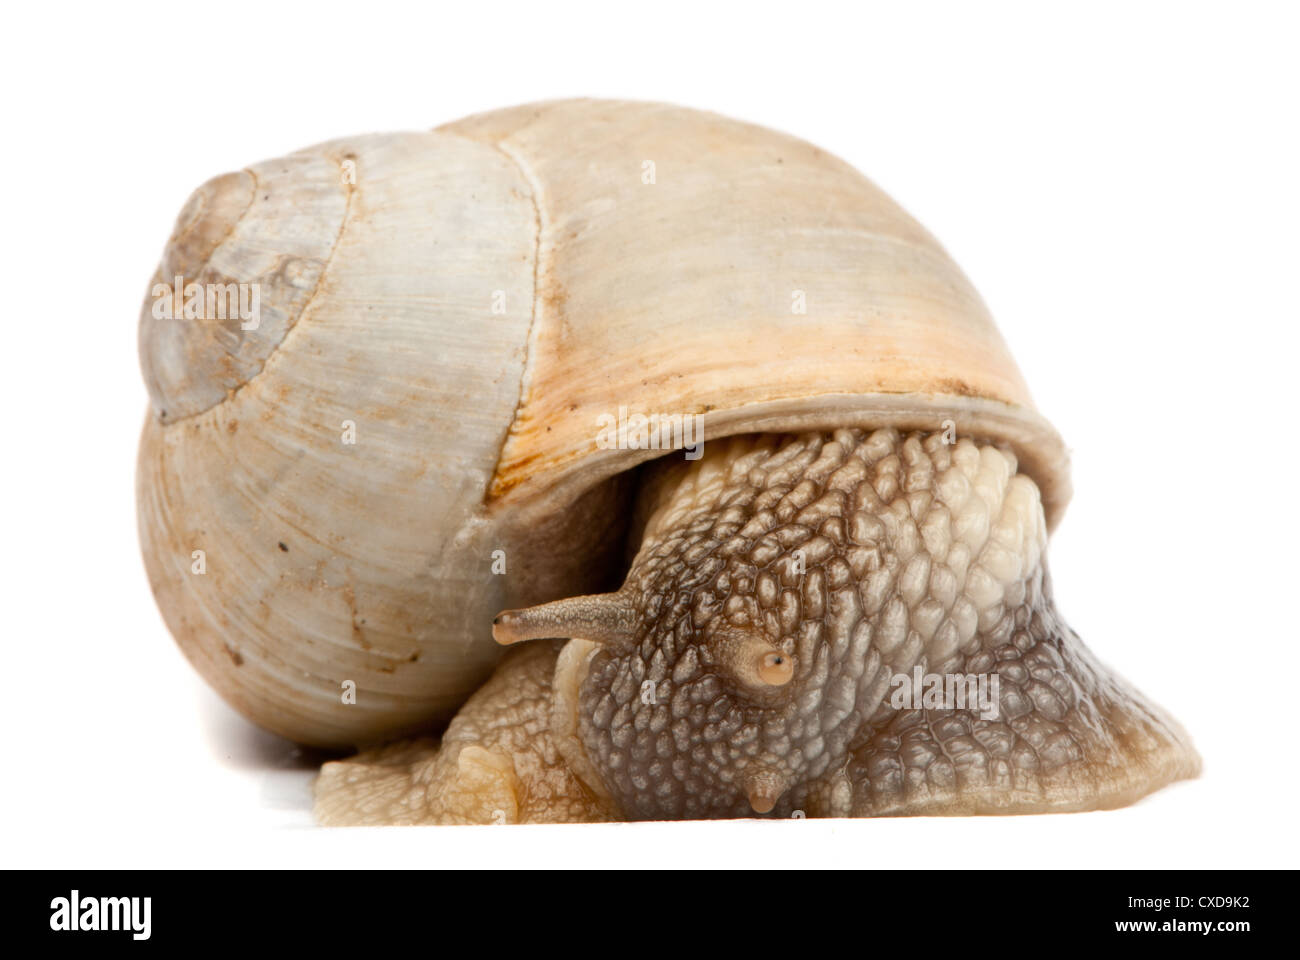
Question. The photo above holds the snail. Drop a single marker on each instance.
(595, 460)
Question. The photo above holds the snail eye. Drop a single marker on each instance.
(775, 669)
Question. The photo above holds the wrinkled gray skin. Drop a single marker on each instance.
(846, 560)
(860, 510)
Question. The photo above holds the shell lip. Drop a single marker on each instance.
(538, 480)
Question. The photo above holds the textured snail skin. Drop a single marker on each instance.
(498, 762)
(858, 557)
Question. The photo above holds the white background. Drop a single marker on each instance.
(1120, 182)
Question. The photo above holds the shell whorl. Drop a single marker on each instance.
(330, 465)
(269, 231)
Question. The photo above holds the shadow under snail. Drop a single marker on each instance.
(393, 447)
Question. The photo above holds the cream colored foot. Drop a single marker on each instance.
(502, 760)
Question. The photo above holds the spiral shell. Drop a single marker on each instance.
(336, 498)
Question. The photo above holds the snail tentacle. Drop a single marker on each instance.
(601, 618)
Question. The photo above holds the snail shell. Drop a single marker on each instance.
(444, 319)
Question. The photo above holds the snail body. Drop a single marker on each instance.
(708, 637)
